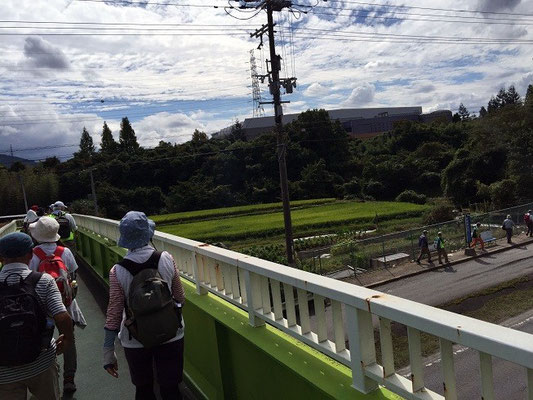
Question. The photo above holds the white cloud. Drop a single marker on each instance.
(316, 90)
(360, 96)
(174, 84)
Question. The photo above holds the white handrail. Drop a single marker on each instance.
(8, 228)
(251, 283)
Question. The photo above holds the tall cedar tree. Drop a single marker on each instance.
(512, 96)
(529, 96)
(482, 112)
(86, 144)
(127, 138)
(463, 112)
(109, 146)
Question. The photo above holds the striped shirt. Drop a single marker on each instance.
(50, 299)
(119, 283)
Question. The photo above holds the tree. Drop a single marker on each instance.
(493, 105)
(86, 145)
(108, 144)
(463, 113)
(199, 137)
(529, 96)
(127, 138)
(482, 112)
(237, 132)
(512, 97)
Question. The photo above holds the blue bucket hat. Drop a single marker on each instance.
(15, 245)
(136, 230)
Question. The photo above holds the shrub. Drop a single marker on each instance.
(442, 211)
(410, 196)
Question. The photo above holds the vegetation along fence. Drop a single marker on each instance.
(390, 250)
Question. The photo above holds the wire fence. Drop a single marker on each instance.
(390, 250)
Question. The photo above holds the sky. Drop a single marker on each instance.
(173, 66)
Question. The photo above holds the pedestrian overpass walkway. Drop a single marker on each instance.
(259, 330)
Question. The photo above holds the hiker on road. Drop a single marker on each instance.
(59, 262)
(67, 224)
(476, 237)
(424, 247)
(152, 338)
(439, 241)
(28, 361)
(508, 228)
(528, 220)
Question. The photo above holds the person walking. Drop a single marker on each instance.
(508, 228)
(153, 339)
(45, 232)
(476, 237)
(67, 224)
(28, 361)
(441, 251)
(424, 247)
(528, 220)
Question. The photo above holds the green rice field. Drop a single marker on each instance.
(233, 211)
(222, 225)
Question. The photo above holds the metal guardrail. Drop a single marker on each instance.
(279, 295)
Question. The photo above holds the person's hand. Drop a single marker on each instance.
(60, 344)
(110, 361)
(112, 369)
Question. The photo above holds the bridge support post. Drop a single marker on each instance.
(362, 347)
(253, 298)
(199, 289)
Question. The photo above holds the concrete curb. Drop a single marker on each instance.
(410, 274)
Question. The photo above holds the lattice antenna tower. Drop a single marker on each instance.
(258, 110)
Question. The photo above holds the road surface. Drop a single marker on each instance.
(442, 286)
(509, 378)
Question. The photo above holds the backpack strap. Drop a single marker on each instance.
(59, 251)
(134, 268)
(39, 253)
(33, 278)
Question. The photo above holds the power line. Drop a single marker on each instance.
(355, 13)
(431, 8)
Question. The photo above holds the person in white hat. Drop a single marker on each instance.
(67, 223)
(45, 232)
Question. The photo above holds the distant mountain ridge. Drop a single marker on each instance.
(7, 161)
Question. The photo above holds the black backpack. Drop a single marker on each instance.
(152, 315)
(64, 226)
(22, 322)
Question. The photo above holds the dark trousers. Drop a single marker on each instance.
(166, 360)
(529, 229)
(509, 232)
(424, 250)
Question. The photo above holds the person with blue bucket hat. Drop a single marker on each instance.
(144, 311)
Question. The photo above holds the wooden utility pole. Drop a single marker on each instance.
(275, 86)
(275, 83)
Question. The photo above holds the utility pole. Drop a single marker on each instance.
(275, 84)
(94, 193)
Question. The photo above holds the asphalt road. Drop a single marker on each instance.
(509, 378)
(439, 287)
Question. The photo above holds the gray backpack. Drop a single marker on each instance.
(152, 314)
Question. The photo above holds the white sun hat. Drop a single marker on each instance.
(45, 230)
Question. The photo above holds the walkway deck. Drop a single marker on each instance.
(92, 380)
